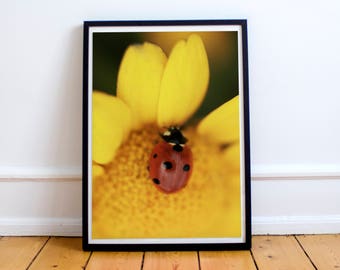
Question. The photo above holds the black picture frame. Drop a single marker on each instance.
(97, 35)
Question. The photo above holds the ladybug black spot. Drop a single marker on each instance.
(154, 155)
(186, 167)
(167, 164)
(156, 181)
(177, 148)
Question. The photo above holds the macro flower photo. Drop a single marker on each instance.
(166, 136)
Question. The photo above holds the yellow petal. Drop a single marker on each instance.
(97, 170)
(139, 79)
(111, 125)
(184, 83)
(232, 156)
(222, 124)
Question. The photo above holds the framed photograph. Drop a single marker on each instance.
(166, 161)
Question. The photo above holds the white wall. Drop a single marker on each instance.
(294, 64)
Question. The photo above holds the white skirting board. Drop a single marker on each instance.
(296, 206)
(282, 203)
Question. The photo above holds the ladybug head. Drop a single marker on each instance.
(174, 136)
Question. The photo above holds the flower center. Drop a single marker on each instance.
(127, 204)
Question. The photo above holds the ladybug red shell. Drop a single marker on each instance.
(170, 163)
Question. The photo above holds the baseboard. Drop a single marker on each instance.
(296, 225)
(260, 226)
(39, 172)
(296, 172)
(41, 206)
(282, 203)
(41, 226)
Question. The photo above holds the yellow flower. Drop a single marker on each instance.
(155, 92)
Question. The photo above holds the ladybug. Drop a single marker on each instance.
(170, 163)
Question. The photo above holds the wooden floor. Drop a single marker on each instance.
(268, 252)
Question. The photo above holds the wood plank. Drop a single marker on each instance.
(61, 253)
(231, 260)
(115, 261)
(18, 252)
(279, 253)
(171, 261)
(323, 250)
